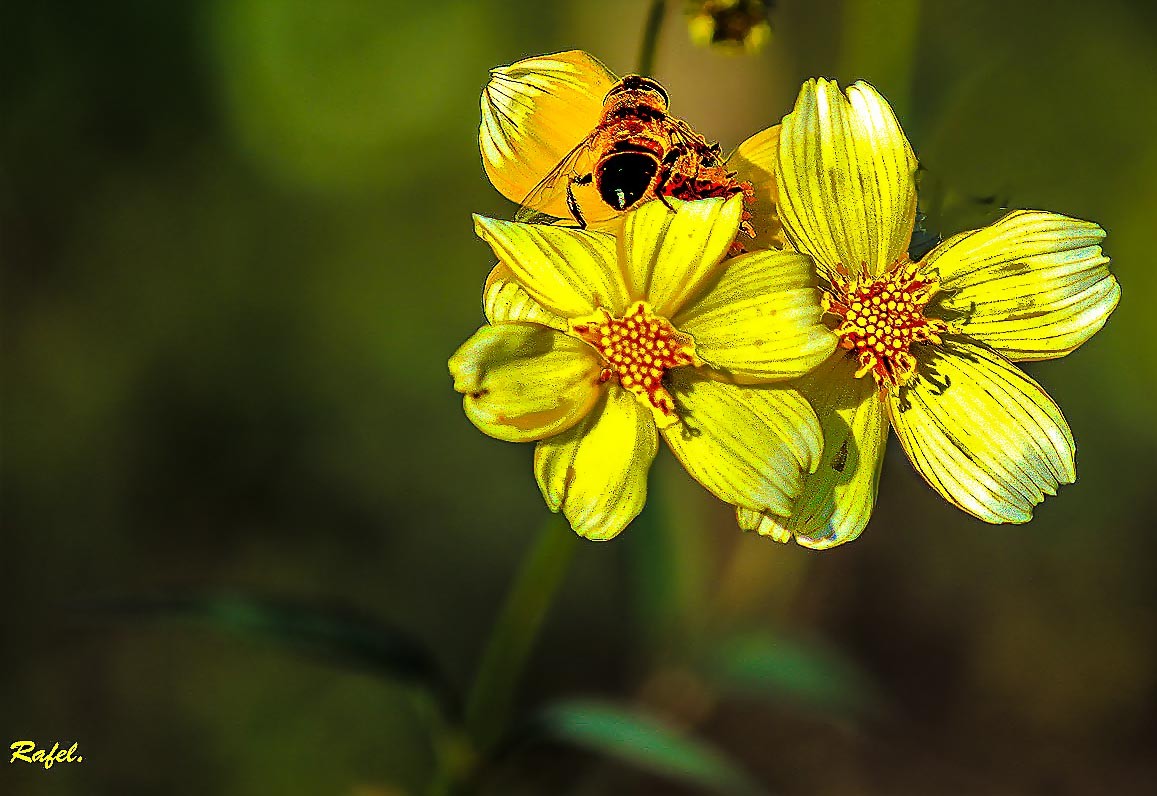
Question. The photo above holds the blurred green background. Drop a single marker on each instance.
(237, 251)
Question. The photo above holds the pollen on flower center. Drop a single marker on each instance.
(882, 317)
(639, 349)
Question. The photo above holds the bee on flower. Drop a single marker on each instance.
(567, 140)
(926, 348)
(598, 344)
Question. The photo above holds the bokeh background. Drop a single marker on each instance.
(236, 253)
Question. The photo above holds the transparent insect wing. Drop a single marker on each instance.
(547, 203)
(681, 133)
(547, 200)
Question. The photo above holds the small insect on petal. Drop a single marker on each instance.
(633, 152)
(533, 113)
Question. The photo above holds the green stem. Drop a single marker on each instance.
(646, 63)
(542, 572)
(460, 752)
(667, 548)
(453, 755)
(543, 569)
(890, 66)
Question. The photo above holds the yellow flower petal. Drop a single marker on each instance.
(534, 113)
(504, 300)
(570, 272)
(671, 255)
(747, 519)
(837, 499)
(847, 186)
(747, 445)
(524, 382)
(1033, 285)
(760, 321)
(982, 433)
(755, 162)
(596, 473)
(763, 524)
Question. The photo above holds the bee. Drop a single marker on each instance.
(636, 152)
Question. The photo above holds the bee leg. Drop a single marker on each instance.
(660, 184)
(670, 160)
(572, 203)
(667, 173)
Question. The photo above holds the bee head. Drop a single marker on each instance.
(638, 83)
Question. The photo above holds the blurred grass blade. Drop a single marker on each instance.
(644, 742)
(868, 22)
(794, 672)
(334, 633)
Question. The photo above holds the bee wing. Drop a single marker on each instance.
(546, 202)
(682, 134)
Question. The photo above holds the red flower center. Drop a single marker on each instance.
(639, 349)
(882, 317)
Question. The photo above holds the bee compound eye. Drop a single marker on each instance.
(657, 87)
(628, 83)
(637, 83)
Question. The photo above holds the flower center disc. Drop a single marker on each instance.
(639, 349)
(882, 317)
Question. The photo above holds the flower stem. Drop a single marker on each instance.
(646, 62)
(542, 572)
(889, 68)
(511, 640)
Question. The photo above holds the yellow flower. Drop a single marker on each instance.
(937, 337)
(599, 343)
(536, 111)
(732, 26)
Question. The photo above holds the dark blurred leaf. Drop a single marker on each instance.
(645, 742)
(792, 671)
(335, 633)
